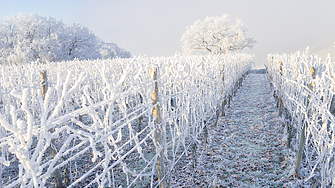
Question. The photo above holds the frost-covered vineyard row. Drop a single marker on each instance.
(97, 119)
(305, 85)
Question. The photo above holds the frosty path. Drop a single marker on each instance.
(245, 149)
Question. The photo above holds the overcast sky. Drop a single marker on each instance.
(154, 27)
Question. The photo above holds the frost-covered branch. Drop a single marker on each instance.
(91, 116)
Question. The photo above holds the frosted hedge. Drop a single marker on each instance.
(95, 125)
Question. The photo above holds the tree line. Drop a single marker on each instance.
(31, 37)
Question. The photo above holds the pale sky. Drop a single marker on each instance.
(155, 27)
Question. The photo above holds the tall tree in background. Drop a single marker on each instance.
(80, 42)
(28, 37)
(216, 35)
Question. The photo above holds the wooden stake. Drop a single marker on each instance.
(229, 98)
(223, 107)
(141, 117)
(279, 97)
(44, 83)
(194, 154)
(216, 117)
(156, 113)
(205, 132)
(224, 101)
(303, 132)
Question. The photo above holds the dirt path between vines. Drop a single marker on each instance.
(247, 148)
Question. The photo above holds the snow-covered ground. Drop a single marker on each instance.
(247, 148)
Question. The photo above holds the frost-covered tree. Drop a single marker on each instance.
(28, 37)
(216, 35)
(79, 42)
(110, 51)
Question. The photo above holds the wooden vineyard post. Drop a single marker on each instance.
(229, 98)
(156, 113)
(280, 84)
(141, 117)
(216, 117)
(234, 88)
(303, 132)
(194, 154)
(44, 82)
(222, 108)
(271, 78)
(224, 100)
(44, 85)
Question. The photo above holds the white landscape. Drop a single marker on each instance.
(97, 116)
(78, 111)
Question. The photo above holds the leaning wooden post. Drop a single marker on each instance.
(303, 132)
(44, 85)
(156, 113)
(279, 92)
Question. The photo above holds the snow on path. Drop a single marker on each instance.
(245, 149)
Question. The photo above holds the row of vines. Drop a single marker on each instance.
(108, 123)
(305, 87)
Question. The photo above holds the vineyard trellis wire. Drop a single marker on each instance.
(97, 116)
(306, 87)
